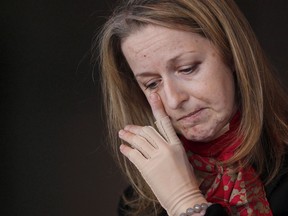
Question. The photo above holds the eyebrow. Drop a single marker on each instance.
(170, 61)
(145, 74)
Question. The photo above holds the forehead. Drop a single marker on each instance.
(152, 38)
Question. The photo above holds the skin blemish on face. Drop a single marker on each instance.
(199, 98)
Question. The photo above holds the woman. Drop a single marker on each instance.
(197, 68)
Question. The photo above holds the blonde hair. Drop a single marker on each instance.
(262, 101)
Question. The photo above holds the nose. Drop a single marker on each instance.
(175, 94)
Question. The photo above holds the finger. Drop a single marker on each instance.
(163, 122)
(158, 112)
(165, 127)
(136, 141)
(153, 136)
(141, 131)
(133, 155)
(157, 106)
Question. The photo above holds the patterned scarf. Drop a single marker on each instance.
(241, 193)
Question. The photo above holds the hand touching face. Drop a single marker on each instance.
(196, 87)
(157, 156)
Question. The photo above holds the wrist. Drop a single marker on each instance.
(195, 204)
(196, 210)
(186, 202)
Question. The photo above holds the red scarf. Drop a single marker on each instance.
(241, 193)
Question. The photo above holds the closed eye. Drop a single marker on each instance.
(186, 70)
(189, 69)
(151, 85)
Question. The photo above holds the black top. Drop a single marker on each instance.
(276, 192)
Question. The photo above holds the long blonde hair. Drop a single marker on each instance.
(262, 101)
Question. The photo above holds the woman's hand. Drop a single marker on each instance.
(162, 161)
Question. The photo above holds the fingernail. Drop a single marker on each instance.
(154, 97)
(121, 132)
(121, 147)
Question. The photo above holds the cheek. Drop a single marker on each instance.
(228, 98)
(222, 93)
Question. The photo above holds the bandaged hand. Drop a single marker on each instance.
(162, 161)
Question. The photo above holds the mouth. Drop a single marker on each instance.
(191, 114)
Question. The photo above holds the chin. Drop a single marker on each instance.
(197, 138)
(204, 135)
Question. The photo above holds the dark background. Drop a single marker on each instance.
(53, 155)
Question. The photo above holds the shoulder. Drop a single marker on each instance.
(277, 191)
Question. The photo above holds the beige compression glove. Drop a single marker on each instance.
(163, 163)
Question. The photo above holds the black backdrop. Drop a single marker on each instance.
(53, 155)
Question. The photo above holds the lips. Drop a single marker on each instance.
(192, 114)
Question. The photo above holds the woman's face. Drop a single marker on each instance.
(195, 85)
